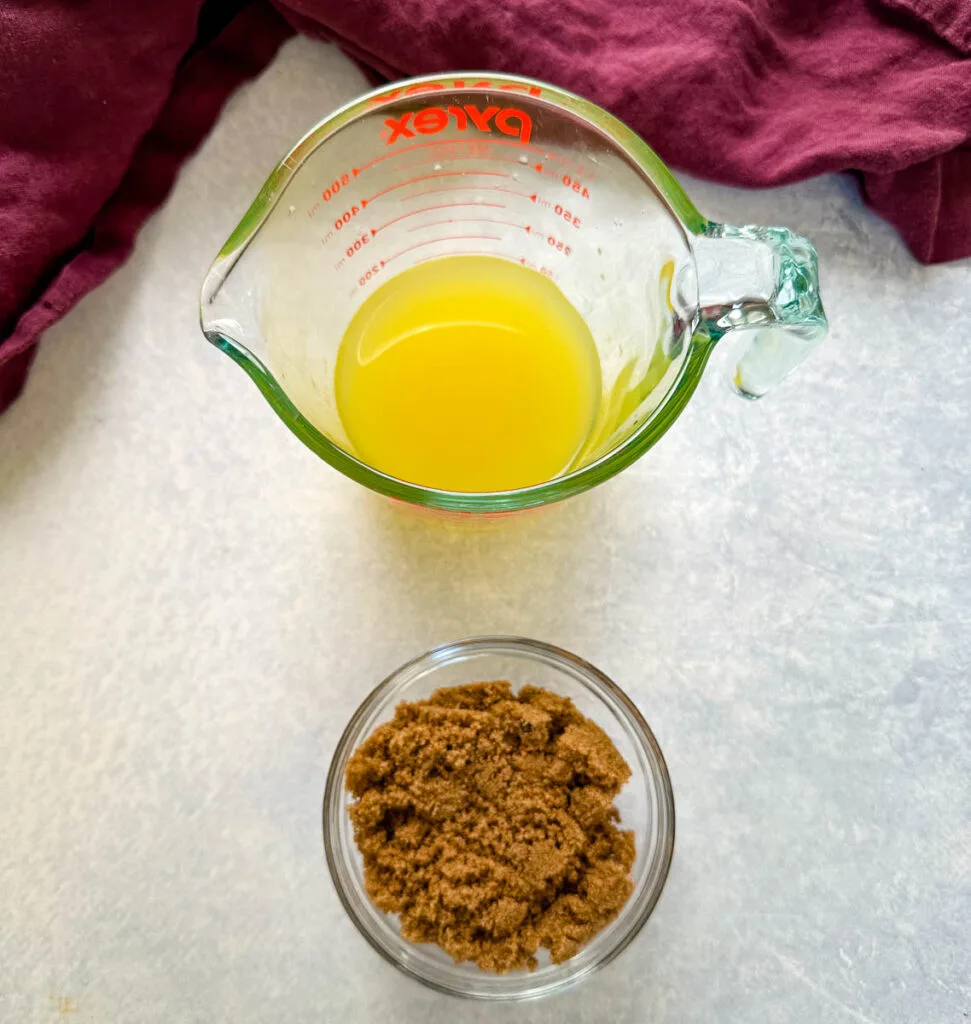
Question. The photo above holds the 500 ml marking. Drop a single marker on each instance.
(565, 162)
(335, 186)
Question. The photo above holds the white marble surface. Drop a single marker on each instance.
(191, 605)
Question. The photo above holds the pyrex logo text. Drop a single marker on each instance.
(509, 120)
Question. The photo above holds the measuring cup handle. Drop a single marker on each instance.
(763, 282)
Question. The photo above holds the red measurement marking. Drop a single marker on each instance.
(437, 174)
(545, 271)
(447, 238)
(440, 142)
(334, 187)
(470, 188)
(569, 217)
(533, 197)
(450, 159)
(429, 209)
(467, 220)
(576, 185)
(465, 252)
(585, 170)
(457, 83)
(559, 245)
(447, 188)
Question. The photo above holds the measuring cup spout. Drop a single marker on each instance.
(421, 177)
(763, 283)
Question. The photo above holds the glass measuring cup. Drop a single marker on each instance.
(510, 167)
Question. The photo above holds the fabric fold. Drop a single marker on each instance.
(745, 92)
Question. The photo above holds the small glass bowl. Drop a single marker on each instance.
(646, 806)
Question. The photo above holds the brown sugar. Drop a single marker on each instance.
(486, 822)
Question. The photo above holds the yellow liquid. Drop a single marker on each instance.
(468, 373)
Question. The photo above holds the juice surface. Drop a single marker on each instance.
(468, 373)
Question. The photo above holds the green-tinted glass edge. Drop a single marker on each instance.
(699, 347)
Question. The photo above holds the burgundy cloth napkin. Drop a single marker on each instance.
(102, 102)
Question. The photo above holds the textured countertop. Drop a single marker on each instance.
(191, 606)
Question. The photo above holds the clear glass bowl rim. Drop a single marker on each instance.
(334, 796)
